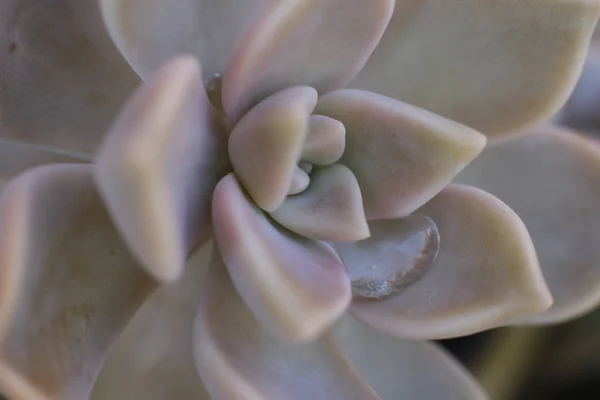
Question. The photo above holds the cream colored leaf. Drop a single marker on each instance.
(16, 158)
(404, 369)
(330, 209)
(153, 359)
(498, 66)
(266, 144)
(62, 80)
(551, 178)
(68, 285)
(325, 142)
(318, 43)
(485, 275)
(151, 32)
(295, 286)
(238, 359)
(159, 166)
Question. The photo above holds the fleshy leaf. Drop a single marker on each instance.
(329, 209)
(238, 359)
(60, 86)
(151, 32)
(498, 66)
(16, 158)
(325, 142)
(486, 273)
(153, 359)
(401, 155)
(322, 44)
(404, 369)
(68, 285)
(295, 286)
(159, 166)
(266, 144)
(300, 181)
(551, 178)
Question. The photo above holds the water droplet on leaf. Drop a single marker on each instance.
(398, 253)
(212, 85)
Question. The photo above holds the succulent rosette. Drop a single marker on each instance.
(281, 210)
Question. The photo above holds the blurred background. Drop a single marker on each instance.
(552, 363)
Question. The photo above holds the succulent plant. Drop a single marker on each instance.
(272, 214)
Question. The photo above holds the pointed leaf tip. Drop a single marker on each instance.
(486, 273)
(322, 44)
(551, 178)
(330, 209)
(401, 155)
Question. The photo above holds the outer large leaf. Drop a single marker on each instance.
(266, 144)
(404, 369)
(401, 155)
(297, 287)
(150, 32)
(61, 78)
(486, 273)
(330, 209)
(318, 43)
(551, 178)
(495, 65)
(582, 111)
(18, 157)
(68, 285)
(238, 359)
(153, 359)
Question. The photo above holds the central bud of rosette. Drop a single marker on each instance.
(284, 154)
(289, 159)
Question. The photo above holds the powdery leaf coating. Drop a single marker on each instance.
(19, 157)
(329, 209)
(151, 32)
(295, 286)
(404, 369)
(153, 359)
(486, 273)
(159, 166)
(551, 178)
(237, 358)
(62, 80)
(498, 66)
(318, 43)
(266, 144)
(68, 284)
(401, 155)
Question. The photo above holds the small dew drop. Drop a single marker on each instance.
(212, 85)
(397, 254)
